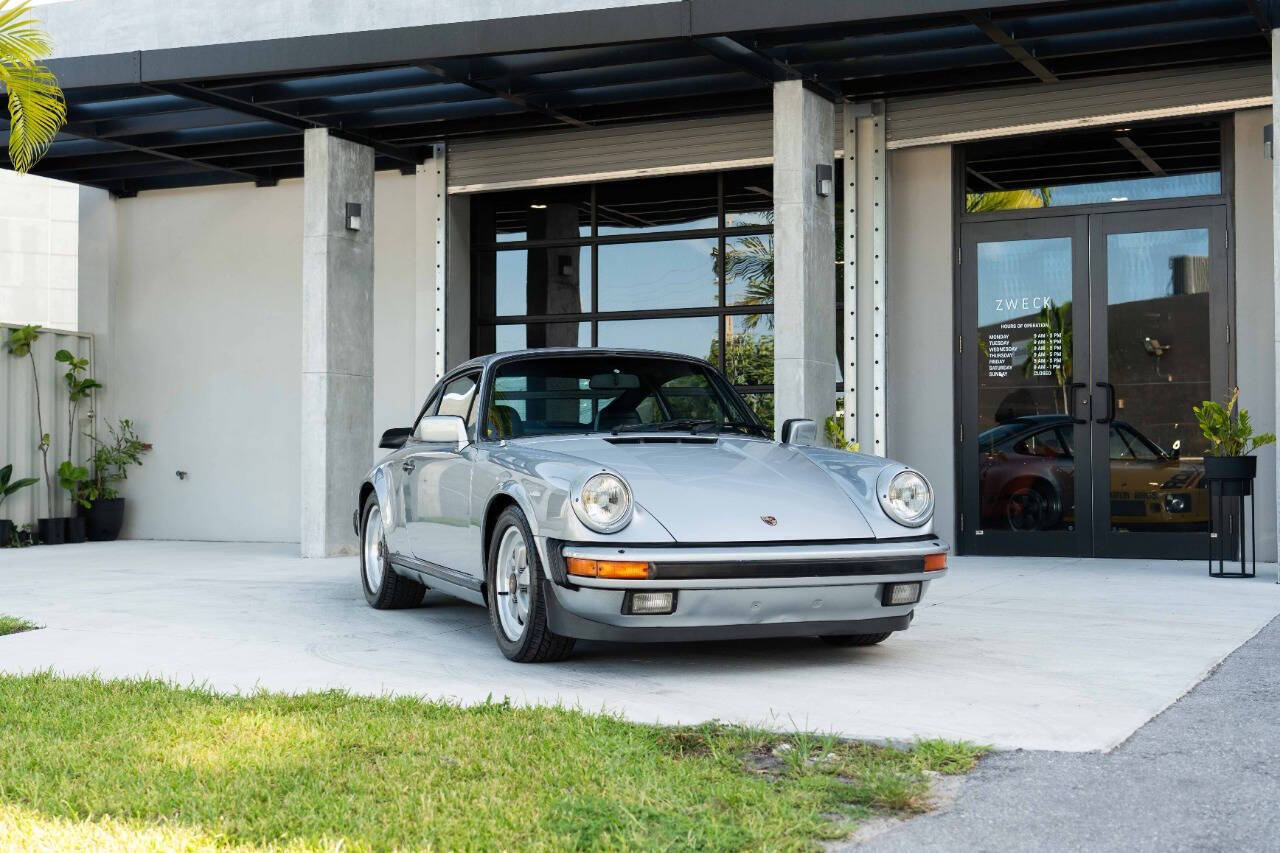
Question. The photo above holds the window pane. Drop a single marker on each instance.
(560, 213)
(513, 336)
(668, 274)
(748, 270)
(1170, 159)
(762, 406)
(457, 397)
(748, 349)
(654, 205)
(696, 336)
(590, 392)
(540, 281)
(748, 197)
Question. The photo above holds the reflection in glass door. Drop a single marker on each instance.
(1159, 320)
(1093, 338)
(1025, 284)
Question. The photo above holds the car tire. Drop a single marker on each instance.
(846, 640)
(383, 588)
(1033, 506)
(509, 613)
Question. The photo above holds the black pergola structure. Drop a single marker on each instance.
(236, 112)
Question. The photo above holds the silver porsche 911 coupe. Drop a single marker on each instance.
(630, 495)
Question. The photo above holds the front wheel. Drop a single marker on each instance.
(383, 588)
(846, 640)
(517, 611)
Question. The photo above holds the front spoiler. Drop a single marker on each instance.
(567, 624)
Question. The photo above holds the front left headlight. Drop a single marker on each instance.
(603, 503)
(908, 499)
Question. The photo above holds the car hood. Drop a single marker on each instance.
(721, 490)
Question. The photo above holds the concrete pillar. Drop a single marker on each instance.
(337, 340)
(805, 370)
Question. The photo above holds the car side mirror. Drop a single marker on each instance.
(799, 431)
(443, 429)
(394, 438)
(1175, 452)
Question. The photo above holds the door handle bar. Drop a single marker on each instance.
(1111, 402)
(1074, 387)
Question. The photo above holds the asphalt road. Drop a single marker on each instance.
(1203, 775)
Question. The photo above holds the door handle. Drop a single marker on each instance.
(1074, 387)
(1111, 402)
(408, 466)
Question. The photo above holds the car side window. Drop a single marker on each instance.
(1045, 443)
(458, 397)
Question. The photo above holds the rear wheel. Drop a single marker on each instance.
(383, 588)
(854, 639)
(517, 610)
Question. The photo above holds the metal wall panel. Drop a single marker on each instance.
(603, 153)
(19, 435)
(1047, 106)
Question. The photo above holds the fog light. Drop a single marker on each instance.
(649, 603)
(900, 593)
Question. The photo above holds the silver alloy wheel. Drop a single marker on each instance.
(511, 579)
(373, 549)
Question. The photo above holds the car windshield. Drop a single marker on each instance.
(560, 395)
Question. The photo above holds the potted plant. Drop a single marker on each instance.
(70, 475)
(50, 530)
(1231, 440)
(8, 488)
(100, 503)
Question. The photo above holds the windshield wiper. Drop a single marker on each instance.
(758, 429)
(660, 426)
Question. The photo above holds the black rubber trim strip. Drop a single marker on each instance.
(568, 624)
(436, 571)
(730, 569)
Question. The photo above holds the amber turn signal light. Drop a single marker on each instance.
(614, 569)
(935, 562)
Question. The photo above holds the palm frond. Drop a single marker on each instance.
(37, 108)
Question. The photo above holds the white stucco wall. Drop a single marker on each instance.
(87, 27)
(1255, 306)
(38, 247)
(205, 350)
(921, 345)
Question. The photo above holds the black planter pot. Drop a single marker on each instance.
(6, 532)
(1230, 467)
(51, 531)
(104, 519)
(75, 530)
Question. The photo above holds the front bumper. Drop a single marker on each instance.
(736, 592)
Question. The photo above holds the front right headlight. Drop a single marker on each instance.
(603, 503)
(908, 499)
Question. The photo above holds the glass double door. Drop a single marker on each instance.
(1086, 341)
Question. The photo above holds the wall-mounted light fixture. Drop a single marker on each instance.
(353, 216)
(824, 180)
(537, 205)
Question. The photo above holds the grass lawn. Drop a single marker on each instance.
(12, 625)
(91, 764)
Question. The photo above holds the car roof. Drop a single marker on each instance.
(484, 361)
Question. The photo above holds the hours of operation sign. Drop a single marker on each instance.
(1026, 343)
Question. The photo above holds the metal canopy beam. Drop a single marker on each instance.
(1141, 156)
(983, 22)
(762, 66)
(217, 99)
(506, 95)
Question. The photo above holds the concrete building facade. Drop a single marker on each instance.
(1015, 270)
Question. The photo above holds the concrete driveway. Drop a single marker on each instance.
(1054, 654)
